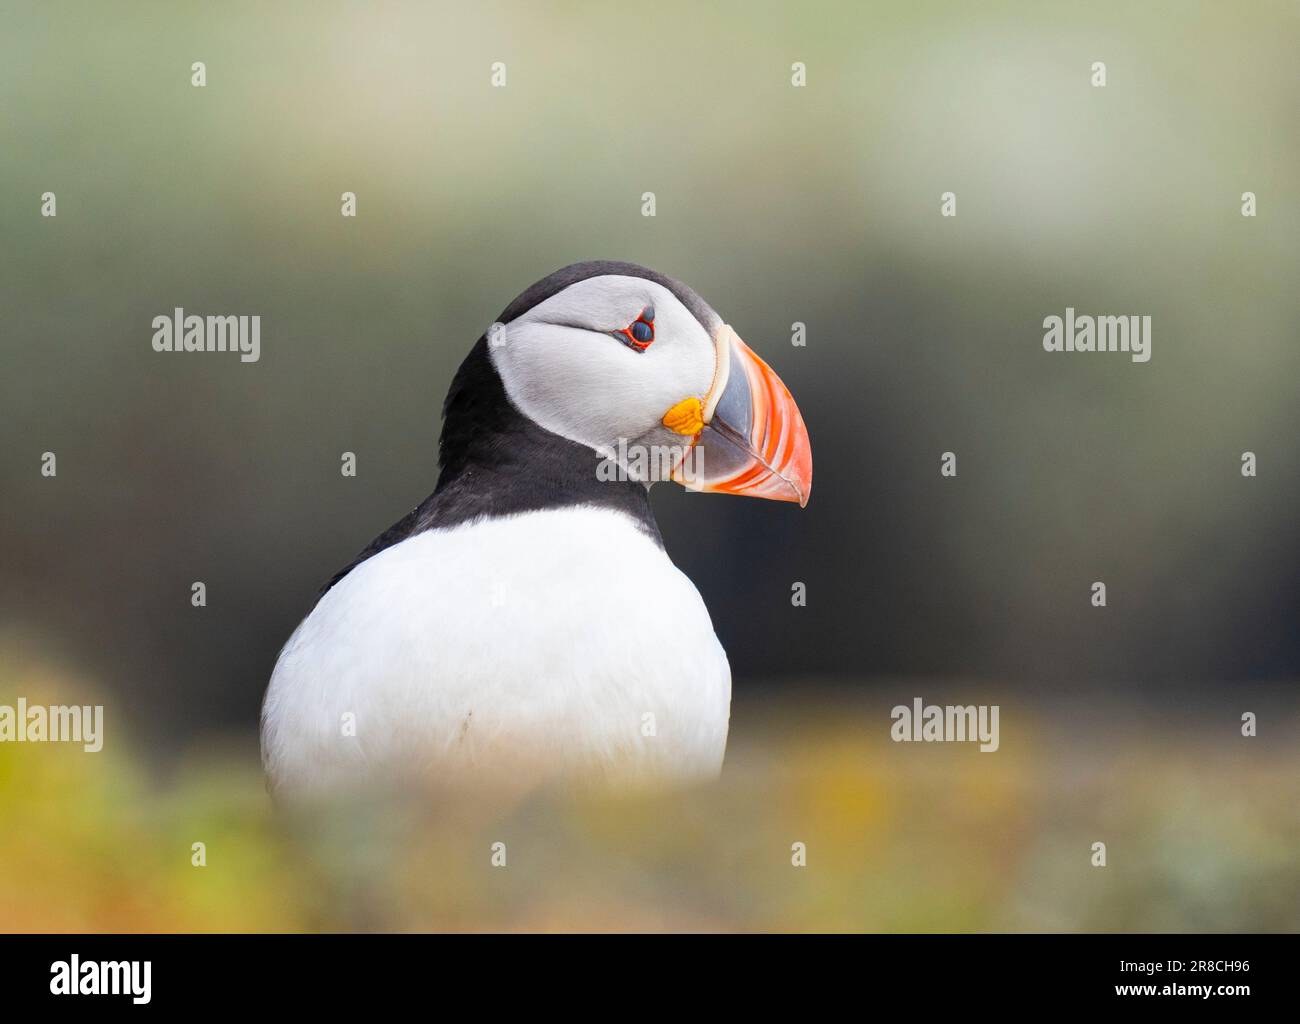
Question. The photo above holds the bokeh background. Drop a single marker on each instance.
(778, 204)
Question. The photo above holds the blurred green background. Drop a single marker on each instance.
(778, 204)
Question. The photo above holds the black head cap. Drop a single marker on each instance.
(555, 283)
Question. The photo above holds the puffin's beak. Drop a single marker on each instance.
(753, 440)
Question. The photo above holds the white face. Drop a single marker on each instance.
(566, 366)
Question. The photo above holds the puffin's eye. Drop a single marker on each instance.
(641, 332)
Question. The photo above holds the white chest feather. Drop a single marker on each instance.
(554, 645)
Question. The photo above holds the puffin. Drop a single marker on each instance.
(524, 625)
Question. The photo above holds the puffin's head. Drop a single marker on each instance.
(627, 361)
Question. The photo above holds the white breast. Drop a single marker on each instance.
(556, 645)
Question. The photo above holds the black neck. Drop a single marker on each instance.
(495, 461)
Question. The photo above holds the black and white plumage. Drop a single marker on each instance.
(525, 622)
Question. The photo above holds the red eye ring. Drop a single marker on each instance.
(640, 333)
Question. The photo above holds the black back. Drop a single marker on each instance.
(495, 461)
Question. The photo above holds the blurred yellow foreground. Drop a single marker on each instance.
(1201, 834)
